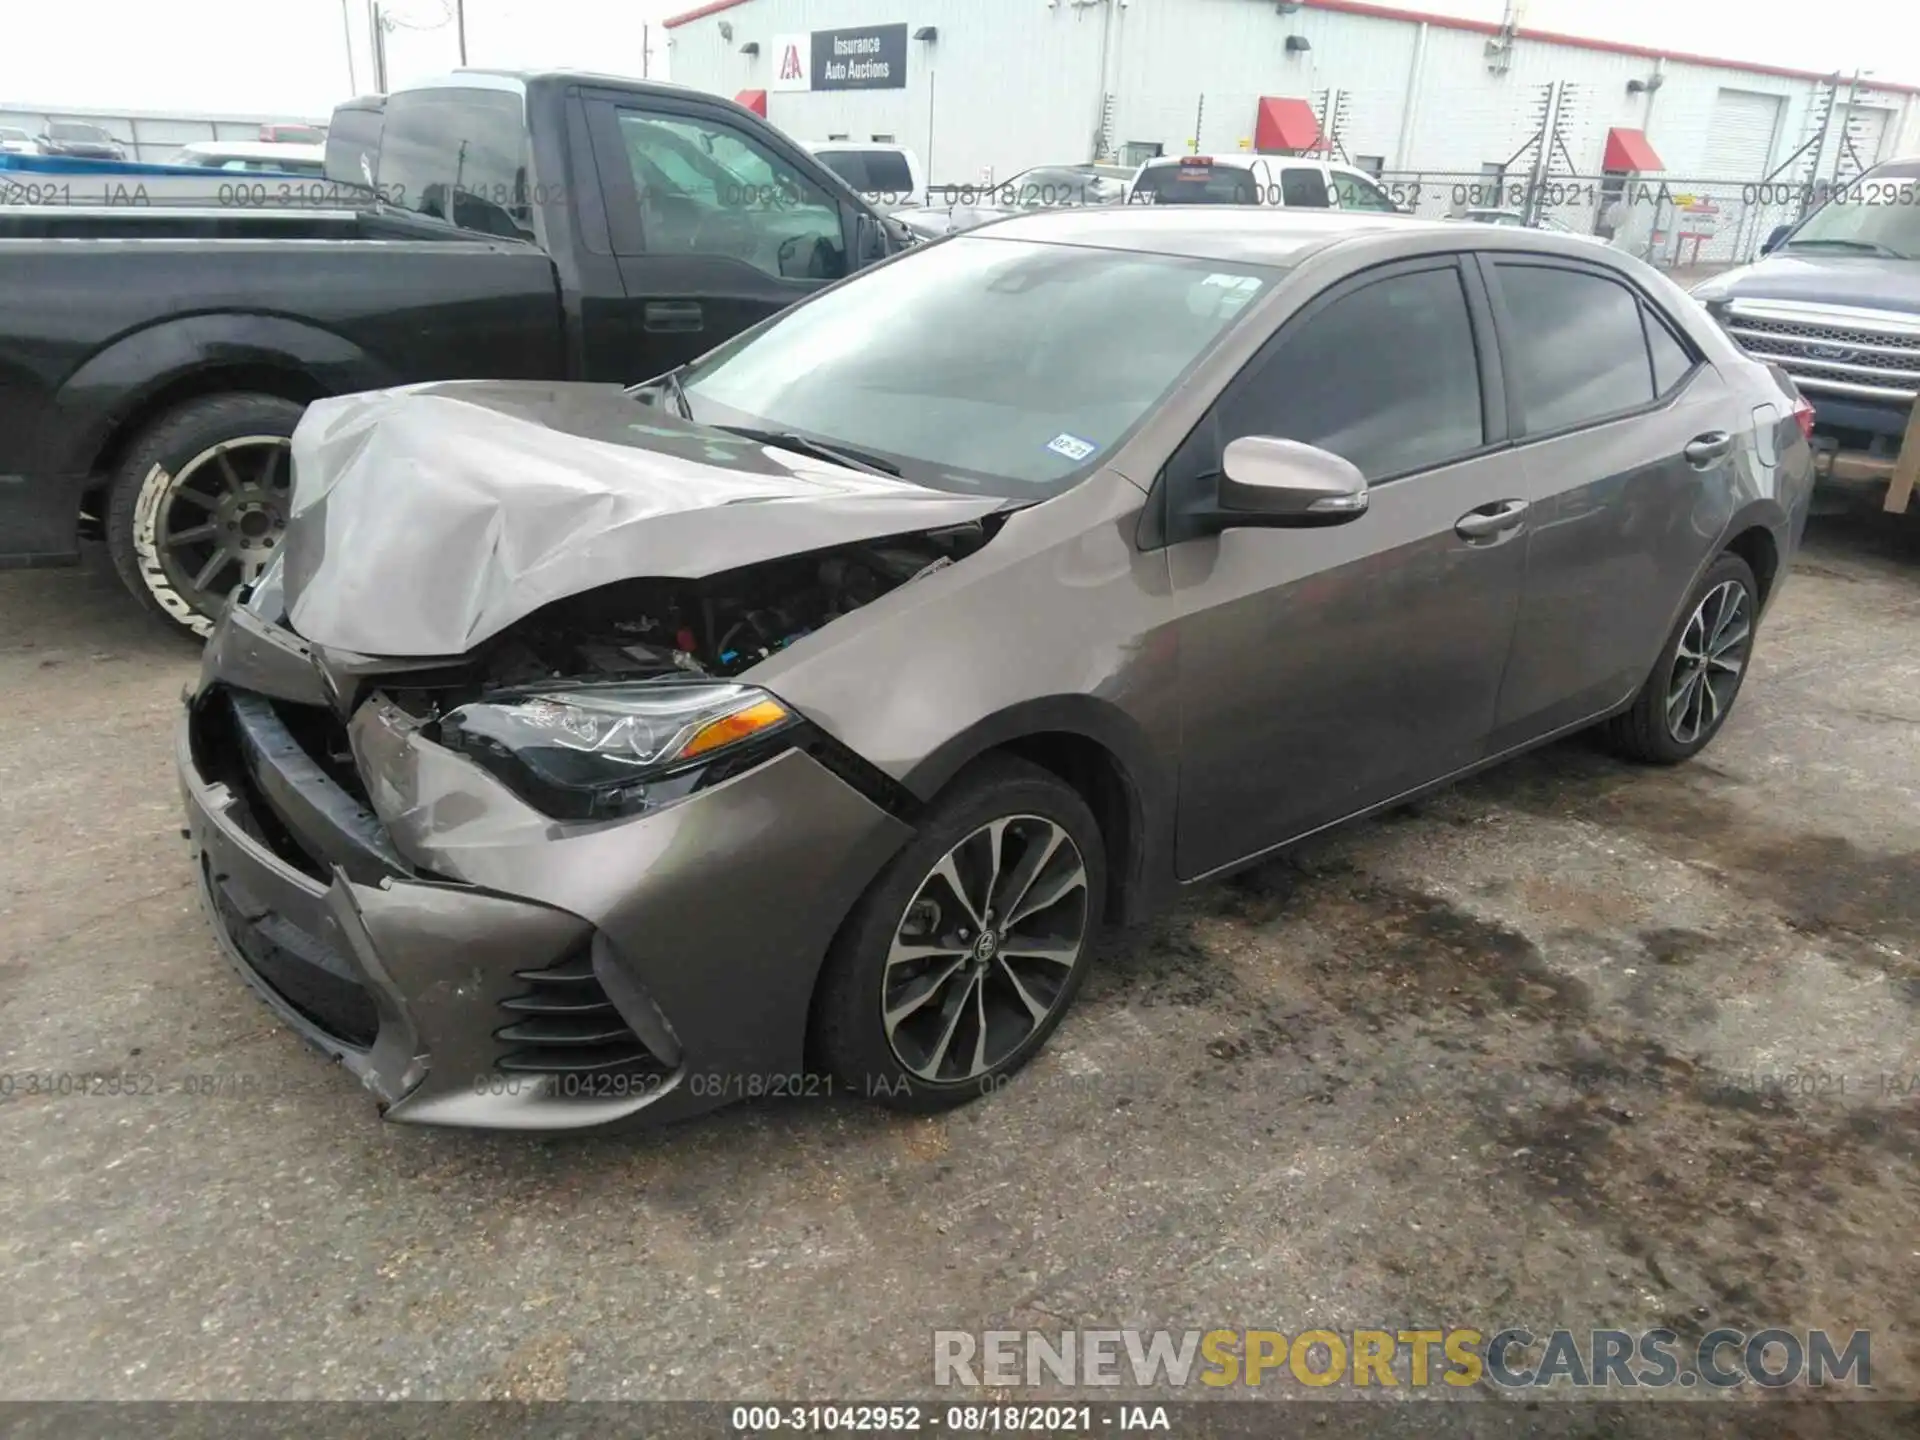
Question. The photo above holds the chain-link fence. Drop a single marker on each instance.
(1671, 223)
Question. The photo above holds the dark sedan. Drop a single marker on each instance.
(81, 141)
(792, 723)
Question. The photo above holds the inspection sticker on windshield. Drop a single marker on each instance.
(1239, 288)
(1071, 446)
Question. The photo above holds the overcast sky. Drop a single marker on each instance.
(290, 56)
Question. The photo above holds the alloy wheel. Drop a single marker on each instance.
(1708, 664)
(223, 516)
(982, 955)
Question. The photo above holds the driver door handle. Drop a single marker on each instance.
(1495, 518)
(1708, 449)
(672, 316)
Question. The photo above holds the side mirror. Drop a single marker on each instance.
(1268, 481)
(1774, 237)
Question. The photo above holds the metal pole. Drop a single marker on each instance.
(1853, 87)
(646, 50)
(460, 23)
(346, 32)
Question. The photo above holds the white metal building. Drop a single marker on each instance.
(981, 88)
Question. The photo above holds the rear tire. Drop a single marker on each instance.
(226, 446)
(1694, 683)
(920, 1006)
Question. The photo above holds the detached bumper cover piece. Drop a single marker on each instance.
(526, 974)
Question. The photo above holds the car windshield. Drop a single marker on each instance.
(61, 130)
(997, 366)
(1874, 215)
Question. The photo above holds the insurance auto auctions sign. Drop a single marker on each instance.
(873, 57)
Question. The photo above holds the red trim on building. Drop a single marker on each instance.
(1630, 150)
(713, 8)
(1283, 123)
(1488, 27)
(1582, 42)
(754, 100)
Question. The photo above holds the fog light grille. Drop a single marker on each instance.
(565, 1025)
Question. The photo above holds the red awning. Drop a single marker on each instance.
(1630, 150)
(754, 100)
(1285, 124)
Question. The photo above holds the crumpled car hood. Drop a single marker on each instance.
(428, 518)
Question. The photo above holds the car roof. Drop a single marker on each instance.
(1243, 234)
(1260, 234)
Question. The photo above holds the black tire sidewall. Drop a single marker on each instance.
(144, 478)
(848, 1038)
(1654, 698)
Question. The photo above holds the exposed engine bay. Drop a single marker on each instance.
(715, 627)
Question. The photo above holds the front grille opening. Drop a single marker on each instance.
(218, 756)
(1806, 332)
(563, 1025)
(302, 970)
(322, 734)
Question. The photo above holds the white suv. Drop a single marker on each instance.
(1283, 180)
(889, 176)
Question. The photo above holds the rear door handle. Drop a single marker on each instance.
(1708, 449)
(672, 316)
(1494, 519)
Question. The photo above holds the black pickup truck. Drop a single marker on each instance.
(155, 358)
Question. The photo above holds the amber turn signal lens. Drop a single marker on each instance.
(729, 729)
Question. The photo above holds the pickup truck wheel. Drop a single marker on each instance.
(200, 503)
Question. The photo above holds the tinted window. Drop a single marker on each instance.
(459, 156)
(887, 171)
(849, 165)
(1196, 184)
(706, 188)
(1579, 352)
(1671, 362)
(1385, 376)
(1304, 187)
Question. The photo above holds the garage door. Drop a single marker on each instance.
(1741, 141)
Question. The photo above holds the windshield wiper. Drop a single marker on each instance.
(818, 449)
(1865, 247)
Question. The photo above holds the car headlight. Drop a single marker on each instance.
(603, 751)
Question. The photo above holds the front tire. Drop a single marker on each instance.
(956, 965)
(1691, 690)
(200, 503)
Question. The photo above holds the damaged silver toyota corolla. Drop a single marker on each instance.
(789, 724)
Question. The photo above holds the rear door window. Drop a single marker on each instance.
(1304, 188)
(1671, 360)
(1580, 349)
(1196, 181)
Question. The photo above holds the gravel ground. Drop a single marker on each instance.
(1500, 1058)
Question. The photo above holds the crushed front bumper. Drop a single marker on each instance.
(476, 963)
